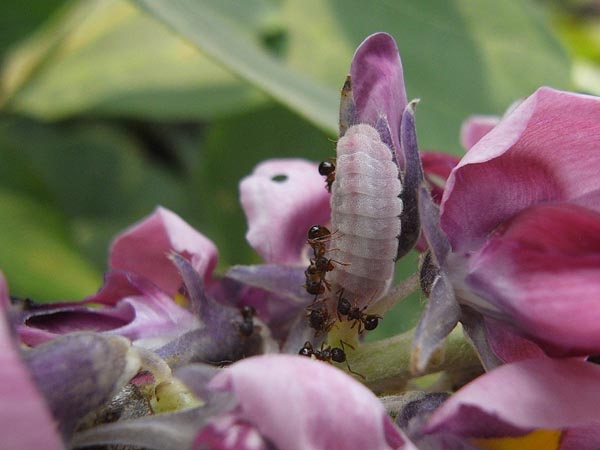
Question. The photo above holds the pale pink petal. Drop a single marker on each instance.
(547, 149)
(300, 404)
(476, 127)
(543, 270)
(25, 420)
(282, 199)
(143, 249)
(520, 397)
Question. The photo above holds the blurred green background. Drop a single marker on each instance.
(110, 107)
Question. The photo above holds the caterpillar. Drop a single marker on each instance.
(365, 210)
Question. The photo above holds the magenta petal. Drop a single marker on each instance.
(143, 249)
(519, 397)
(437, 167)
(476, 127)
(133, 307)
(25, 420)
(282, 199)
(378, 83)
(543, 270)
(546, 149)
(300, 404)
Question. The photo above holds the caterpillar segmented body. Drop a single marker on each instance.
(365, 209)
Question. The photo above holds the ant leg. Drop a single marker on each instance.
(347, 363)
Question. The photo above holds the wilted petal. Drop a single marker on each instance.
(547, 149)
(282, 199)
(476, 127)
(307, 405)
(144, 247)
(412, 180)
(517, 398)
(378, 83)
(80, 372)
(133, 307)
(25, 420)
(543, 270)
(439, 318)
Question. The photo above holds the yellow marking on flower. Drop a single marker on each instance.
(536, 440)
(181, 300)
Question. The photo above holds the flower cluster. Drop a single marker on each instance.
(169, 355)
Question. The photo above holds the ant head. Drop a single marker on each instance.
(326, 167)
(248, 312)
(370, 322)
(307, 349)
(318, 232)
(338, 355)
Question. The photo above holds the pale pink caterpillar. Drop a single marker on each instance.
(365, 210)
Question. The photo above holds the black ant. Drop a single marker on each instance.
(318, 236)
(327, 169)
(365, 321)
(247, 325)
(327, 353)
(318, 318)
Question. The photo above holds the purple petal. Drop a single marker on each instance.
(143, 249)
(219, 340)
(133, 307)
(25, 420)
(508, 345)
(378, 83)
(301, 404)
(523, 396)
(80, 372)
(476, 127)
(546, 149)
(282, 199)
(439, 318)
(542, 269)
(412, 180)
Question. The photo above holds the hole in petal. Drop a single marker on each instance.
(279, 178)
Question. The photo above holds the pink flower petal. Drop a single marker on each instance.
(546, 149)
(476, 127)
(300, 404)
(133, 307)
(543, 269)
(143, 249)
(520, 397)
(378, 83)
(282, 199)
(508, 345)
(437, 167)
(25, 420)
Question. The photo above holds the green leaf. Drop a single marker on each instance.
(93, 176)
(36, 254)
(461, 57)
(104, 57)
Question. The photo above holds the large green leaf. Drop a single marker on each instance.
(36, 254)
(92, 176)
(105, 57)
(460, 56)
